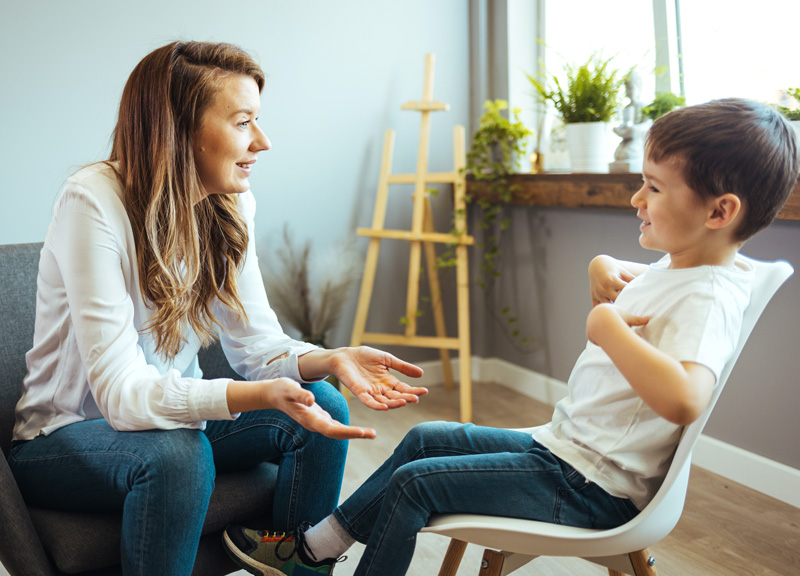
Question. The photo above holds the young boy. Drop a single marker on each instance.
(659, 336)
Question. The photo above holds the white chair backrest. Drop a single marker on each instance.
(769, 276)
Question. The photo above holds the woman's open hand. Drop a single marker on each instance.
(295, 401)
(366, 372)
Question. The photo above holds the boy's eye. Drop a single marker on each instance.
(244, 124)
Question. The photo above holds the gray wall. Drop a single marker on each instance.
(545, 263)
(337, 74)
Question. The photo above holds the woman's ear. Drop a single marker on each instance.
(724, 211)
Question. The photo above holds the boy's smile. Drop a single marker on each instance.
(673, 216)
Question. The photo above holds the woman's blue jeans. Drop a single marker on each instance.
(443, 467)
(162, 480)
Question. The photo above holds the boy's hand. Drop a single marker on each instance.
(605, 318)
(607, 278)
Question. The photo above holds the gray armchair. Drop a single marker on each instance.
(38, 542)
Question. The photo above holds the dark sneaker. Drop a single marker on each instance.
(273, 553)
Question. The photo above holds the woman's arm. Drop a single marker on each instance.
(676, 391)
(94, 258)
(608, 276)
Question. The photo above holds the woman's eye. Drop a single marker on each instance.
(244, 124)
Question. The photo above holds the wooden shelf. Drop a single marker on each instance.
(605, 191)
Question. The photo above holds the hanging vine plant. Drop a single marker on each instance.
(496, 147)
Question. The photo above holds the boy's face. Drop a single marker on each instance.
(673, 216)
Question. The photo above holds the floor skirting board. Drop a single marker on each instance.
(736, 464)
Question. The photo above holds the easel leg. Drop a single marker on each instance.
(371, 264)
(436, 295)
(464, 355)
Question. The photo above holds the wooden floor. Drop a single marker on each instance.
(726, 529)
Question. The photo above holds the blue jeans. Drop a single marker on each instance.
(161, 480)
(443, 467)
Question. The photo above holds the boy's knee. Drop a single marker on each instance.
(410, 482)
(427, 432)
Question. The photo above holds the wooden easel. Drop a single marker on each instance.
(423, 234)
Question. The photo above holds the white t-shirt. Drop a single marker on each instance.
(88, 358)
(602, 428)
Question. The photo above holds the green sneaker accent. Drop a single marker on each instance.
(272, 553)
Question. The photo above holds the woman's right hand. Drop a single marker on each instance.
(295, 401)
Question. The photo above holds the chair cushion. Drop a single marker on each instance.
(77, 542)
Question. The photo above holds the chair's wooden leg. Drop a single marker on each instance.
(643, 563)
(612, 572)
(492, 563)
(455, 551)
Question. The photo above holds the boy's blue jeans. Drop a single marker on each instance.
(162, 480)
(443, 467)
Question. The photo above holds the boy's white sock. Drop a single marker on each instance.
(328, 539)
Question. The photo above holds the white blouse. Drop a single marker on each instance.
(88, 358)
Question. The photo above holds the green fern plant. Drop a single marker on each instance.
(589, 93)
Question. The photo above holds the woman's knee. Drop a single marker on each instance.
(331, 400)
(181, 458)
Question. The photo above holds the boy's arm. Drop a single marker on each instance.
(676, 391)
(608, 276)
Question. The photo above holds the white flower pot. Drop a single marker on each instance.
(588, 146)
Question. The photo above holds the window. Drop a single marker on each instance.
(712, 49)
(622, 29)
(739, 48)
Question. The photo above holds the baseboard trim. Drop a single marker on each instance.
(766, 476)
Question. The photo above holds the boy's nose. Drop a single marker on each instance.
(636, 198)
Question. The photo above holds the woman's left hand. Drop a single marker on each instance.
(365, 371)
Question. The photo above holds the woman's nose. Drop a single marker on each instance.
(261, 142)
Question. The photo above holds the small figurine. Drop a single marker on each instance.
(629, 154)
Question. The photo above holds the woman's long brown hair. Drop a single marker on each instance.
(186, 253)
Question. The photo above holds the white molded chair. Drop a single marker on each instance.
(623, 550)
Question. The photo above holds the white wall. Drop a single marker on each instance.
(337, 73)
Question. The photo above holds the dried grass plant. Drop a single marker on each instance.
(309, 291)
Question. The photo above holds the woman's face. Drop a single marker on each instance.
(228, 140)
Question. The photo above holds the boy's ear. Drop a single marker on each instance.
(724, 210)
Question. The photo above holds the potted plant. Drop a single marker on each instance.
(663, 102)
(792, 114)
(586, 101)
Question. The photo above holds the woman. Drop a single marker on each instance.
(149, 256)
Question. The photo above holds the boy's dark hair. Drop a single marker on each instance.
(733, 146)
